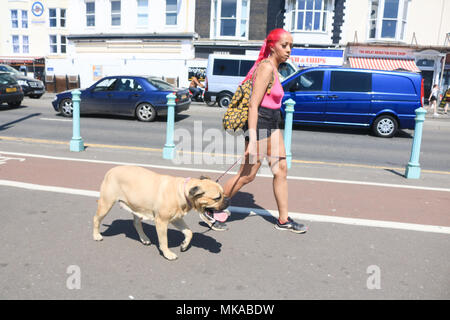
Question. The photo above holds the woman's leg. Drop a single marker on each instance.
(277, 161)
(247, 173)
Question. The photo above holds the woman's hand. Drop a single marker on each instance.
(252, 151)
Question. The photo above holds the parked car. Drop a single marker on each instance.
(383, 101)
(33, 88)
(138, 96)
(224, 73)
(10, 90)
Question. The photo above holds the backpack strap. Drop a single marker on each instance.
(269, 87)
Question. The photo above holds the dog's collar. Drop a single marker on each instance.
(187, 199)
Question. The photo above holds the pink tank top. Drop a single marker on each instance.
(273, 100)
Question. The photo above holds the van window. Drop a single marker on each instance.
(351, 81)
(308, 81)
(224, 67)
(233, 68)
(392, 84)
(246, 65)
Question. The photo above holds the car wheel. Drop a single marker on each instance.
(66, 107)
(145, 112)
(385, 126)
(224, 100)
(15, 103)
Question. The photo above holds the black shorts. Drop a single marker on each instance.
(433, 98)
(269, 120)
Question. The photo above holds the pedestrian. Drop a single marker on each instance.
(194, 86)
(263, 137)
(446, 99)
(433, 99)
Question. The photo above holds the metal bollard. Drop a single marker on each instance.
(169, 147)
(288, 130)
(77, 143)
(413, 167)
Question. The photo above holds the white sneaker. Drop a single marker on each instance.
(435, 115)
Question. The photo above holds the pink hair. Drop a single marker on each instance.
(269, 42)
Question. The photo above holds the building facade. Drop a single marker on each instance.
(31, 32)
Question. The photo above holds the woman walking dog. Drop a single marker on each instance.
(263, 138)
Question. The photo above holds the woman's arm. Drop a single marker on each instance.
(263, 74)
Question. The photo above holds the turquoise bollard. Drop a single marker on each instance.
(169, 147)
(288, 130)
(413, 167)
(77, 143)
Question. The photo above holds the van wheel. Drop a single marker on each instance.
(224, 100)
(385, 126)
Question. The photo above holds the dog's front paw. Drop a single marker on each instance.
(169, 255)
(97, 237)
(184, 246)
(146, 241)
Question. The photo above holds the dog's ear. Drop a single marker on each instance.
(196, 191)
(204, 177)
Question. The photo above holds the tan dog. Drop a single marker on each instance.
(166, 199)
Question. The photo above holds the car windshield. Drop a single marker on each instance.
(6, 79)
(161, 84)
(285, 70)
(7, 68)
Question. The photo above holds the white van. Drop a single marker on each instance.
(224, 73)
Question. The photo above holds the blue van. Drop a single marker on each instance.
(383, 101)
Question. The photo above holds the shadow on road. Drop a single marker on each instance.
(175, 237)
(247, 200)
(10, 124)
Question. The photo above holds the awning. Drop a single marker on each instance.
(383, 64)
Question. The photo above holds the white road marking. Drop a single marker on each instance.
(274, 213)
(51, 119)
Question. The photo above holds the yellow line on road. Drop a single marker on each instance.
(108, 146)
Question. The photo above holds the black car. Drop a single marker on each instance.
(10, 90)
(33, 88)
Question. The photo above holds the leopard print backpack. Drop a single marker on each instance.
(236, 116)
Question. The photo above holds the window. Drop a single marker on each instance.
(24, 19)
(388, 19)
(15, 19)
(232, 67)
(58, 42)
(16, 45)
(63, 44)
(230, 18)
(53, 44)
(142, 13)
(171, 12)
(53, 17)
(62, 18)
(351, 81)
(309, 81)
(125, 84)
(106, 85)
(115, 13)
(90, 14)
(308, 15)
(25, 45)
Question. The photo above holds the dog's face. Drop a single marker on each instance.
(207, 194)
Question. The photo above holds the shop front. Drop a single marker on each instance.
(33, 67)
(306, 57)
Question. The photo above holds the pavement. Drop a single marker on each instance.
(373, 234)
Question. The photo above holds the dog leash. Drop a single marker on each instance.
(239, 159)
